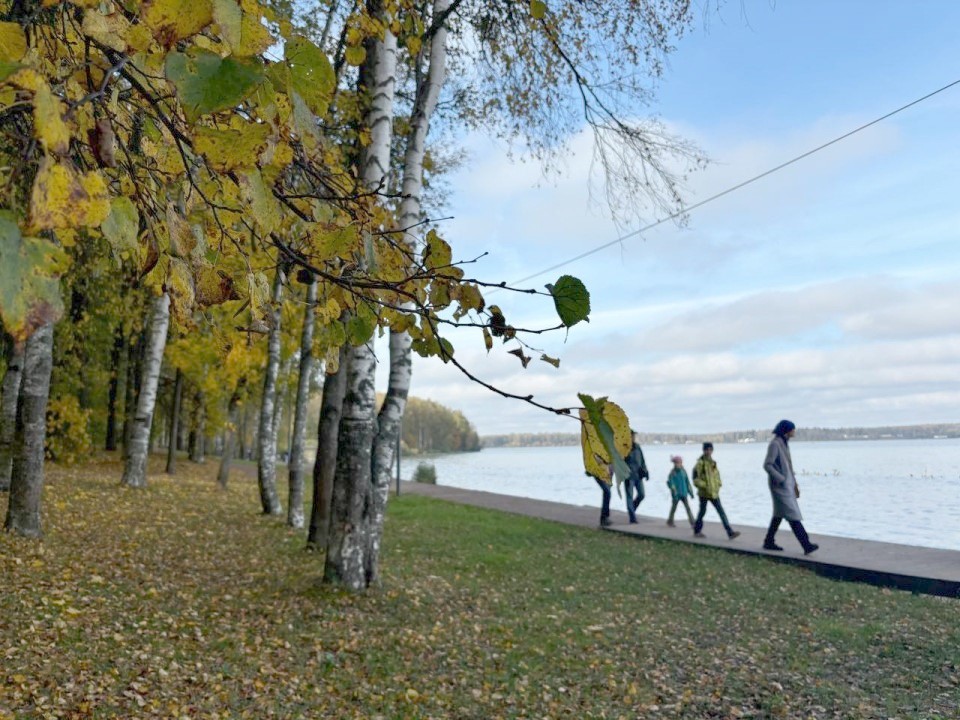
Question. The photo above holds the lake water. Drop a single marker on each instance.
(901, 491)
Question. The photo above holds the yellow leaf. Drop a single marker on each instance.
(538, 9)
(264, 208)
(48, 124)
(230, 149)
(174, 20)
(355, 55)
(182, 239)
(179, 284)
(63, 198)
(13, 43)
(109, 30)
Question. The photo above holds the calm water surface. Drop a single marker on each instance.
(902, 491)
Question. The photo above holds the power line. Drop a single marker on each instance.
(736, 187)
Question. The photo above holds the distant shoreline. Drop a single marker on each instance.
(906, 432)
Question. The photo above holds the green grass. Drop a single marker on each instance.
(182, 601)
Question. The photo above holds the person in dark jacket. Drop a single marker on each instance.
(638, 473)
(784, 489)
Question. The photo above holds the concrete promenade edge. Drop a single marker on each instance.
(930, 571)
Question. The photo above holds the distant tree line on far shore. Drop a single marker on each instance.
(893, 432)
(429, 427)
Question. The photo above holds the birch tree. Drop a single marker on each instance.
(174, 421)
(267, 437)
(348, 560)
(26, 482)
(296, 462)
(9, 398)
(135, 467)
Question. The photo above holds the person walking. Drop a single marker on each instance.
(706, 478)
(784, 490)
(638, 473)
(680, 489)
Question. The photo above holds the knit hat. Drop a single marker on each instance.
(676, 459)
(707, 446)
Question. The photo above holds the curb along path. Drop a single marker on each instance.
(925, 570)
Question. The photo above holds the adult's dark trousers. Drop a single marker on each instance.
(605, 503)
(698, 525)
(634, 494)
(797, 528)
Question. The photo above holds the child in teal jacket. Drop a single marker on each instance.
(680, 489)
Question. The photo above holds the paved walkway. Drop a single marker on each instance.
(918, 569)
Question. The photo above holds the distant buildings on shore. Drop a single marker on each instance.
(904, 432)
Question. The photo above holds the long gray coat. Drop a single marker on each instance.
(783, 483)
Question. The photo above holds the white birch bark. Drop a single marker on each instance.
(295, 516)
(26, 481)
(8, 412)
(233, 431)
(348, 543)
(401, 361)
(135, 467)
(267, 436)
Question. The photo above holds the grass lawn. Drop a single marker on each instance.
(181, 601)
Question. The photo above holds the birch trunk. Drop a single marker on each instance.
(295, 463)
(401, 361)
(267, 437)
(26, 481)
(230, 443)
(348, 561)
(135, 469)
(325, 464)
(8, 412)
(174, 419)
(350, 523)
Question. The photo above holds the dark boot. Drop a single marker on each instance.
(802, 537)
(768, 542)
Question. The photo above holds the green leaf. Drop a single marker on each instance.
(311, 74)
(207, 83)
(571, 299)
(122, 226)
(8, 68)
(360, 325)
(29, 280)
(538, 9)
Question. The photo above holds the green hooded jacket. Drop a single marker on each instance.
(706, 477)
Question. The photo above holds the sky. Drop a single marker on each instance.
(827, 293)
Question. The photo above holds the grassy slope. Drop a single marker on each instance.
(181, 601)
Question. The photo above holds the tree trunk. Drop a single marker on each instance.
(174, 419)
(267, 439)
(295, 462)
(135, 469)
(347, 560)
(116, 359)
(26, 482)
(198, 429)
(233, 417)
(401, 362)
(325, 464)
(8, 412)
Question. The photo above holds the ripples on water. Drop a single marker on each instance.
(901, 491)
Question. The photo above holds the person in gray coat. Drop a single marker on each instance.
(784, 489)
